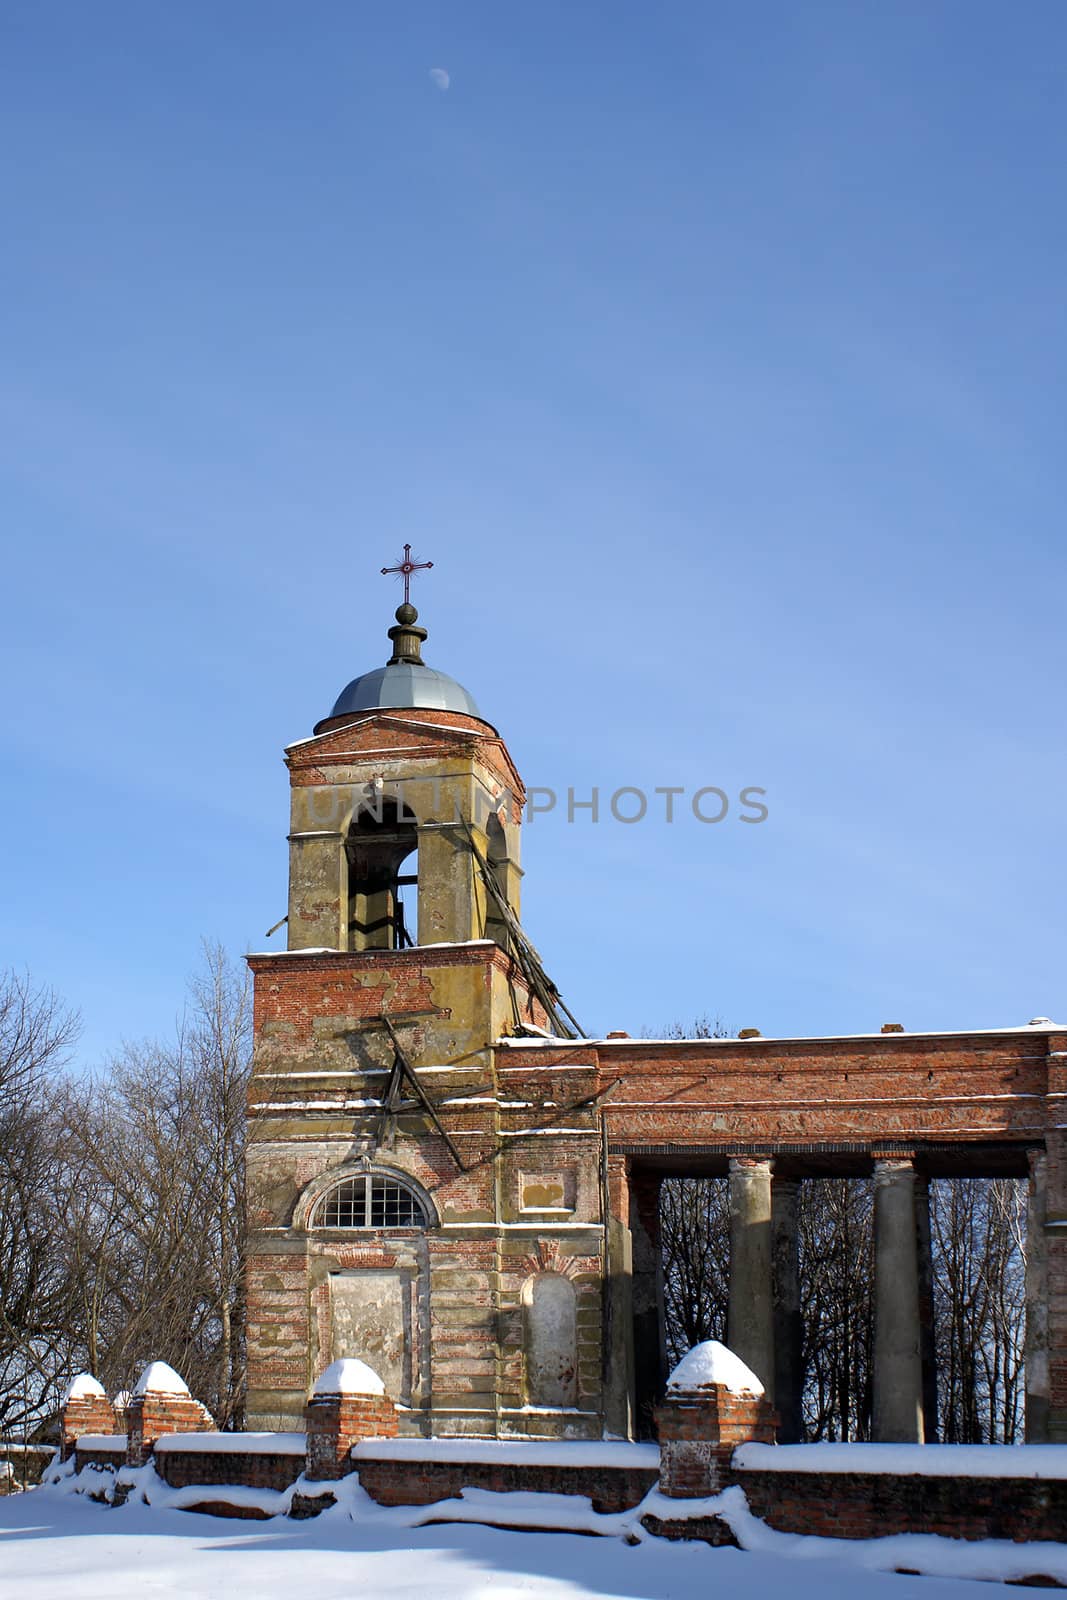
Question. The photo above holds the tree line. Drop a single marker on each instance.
(122, 1200)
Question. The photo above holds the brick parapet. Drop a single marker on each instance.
(97, 1456)
(253, 1469)
(418, 1483)
(874, 1505)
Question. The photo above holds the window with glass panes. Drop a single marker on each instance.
(369, 1201)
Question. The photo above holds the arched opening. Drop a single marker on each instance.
(551, 1340)
(381, 899)
(369, 1200)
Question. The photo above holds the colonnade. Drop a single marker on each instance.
(764, 1317)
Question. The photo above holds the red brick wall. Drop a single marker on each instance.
(254, 1469)
(99, 1458)
(872, 1505)
(420, 1483)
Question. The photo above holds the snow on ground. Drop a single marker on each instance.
(54, 1543)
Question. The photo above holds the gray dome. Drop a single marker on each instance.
(404, 683)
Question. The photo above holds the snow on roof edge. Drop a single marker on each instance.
(513, 1041)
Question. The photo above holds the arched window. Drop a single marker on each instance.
(369, 1201)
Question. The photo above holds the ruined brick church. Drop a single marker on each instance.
(448, 1181)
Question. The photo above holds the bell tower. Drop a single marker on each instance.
(379, 1159)
(405, 814)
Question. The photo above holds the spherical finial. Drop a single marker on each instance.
(406, 613)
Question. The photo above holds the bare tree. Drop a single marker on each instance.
(154, 1163)
(834, 1225)
(36, 1034)
(977, 1231)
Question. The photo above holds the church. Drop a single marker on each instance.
(449, 1181)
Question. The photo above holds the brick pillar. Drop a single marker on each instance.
(699, 1429)
(750, 1318)
(619, 1405)
(649, 1335)
(154, 1412)
(86, 1409)
(898, 1389)
(335, 1422)
(788, 1324)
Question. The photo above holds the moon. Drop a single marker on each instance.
(440, 77)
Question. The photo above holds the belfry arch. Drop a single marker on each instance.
(382, 838)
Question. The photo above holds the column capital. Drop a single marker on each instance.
(1036, 1159)
(893, 1166)
(751, 1163)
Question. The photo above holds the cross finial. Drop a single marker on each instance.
(405, 568)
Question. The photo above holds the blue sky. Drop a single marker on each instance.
(714, 354)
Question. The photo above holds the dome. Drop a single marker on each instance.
(404, 681)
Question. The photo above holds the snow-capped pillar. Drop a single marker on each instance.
(713, 1403)
(898, 1386)
(788, 1324)
(1035, 1358)
(84, 1408)
(750, 1317)
(348, 1403)
(160, 1404)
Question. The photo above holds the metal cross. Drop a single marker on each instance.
(404, 569)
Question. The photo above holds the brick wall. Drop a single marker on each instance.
(872, 1505)
(420, 1483)
(84, 1456)
(252, 1469)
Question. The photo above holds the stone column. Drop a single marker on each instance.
(618, 1304)
(898, 1390)
(750, 1319)
(788, 1327)
(927, 1346)
(650, 1348)
(1035, 1356)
